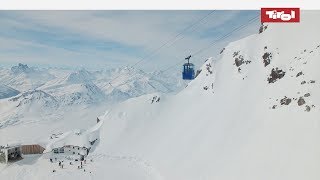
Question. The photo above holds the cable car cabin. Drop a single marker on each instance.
(188, 71)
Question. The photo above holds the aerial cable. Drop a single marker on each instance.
(165, 44)
(215, 42)
(205, 48)
(174, 38)
(182, 37)
(227, 35)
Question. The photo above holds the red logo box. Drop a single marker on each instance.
(280, 15)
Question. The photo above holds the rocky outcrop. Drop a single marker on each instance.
(275, 75)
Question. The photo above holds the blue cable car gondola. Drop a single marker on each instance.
(188, 70)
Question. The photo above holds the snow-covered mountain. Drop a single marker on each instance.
(6, 92)
(67, 91)
(117, 95)
(80, 77)
(250, 114)
(75, 88)
(167, 80)
(81, 94)
(135, 82)
(24, 78)
(22, 68)
(38, 97)
(26, 107)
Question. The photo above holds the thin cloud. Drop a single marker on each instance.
(114, 37)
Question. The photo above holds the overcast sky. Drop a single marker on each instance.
(96, 39)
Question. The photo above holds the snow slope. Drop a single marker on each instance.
(232, 123)
(251, 114)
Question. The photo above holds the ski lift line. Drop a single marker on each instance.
(227, 35)
(166, 43)
(174, 38)
(211, 45)
(195, 28)
(180, 38)
(221, 38)
(214, 43)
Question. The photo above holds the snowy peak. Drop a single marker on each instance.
(135, 82)
(171, 81)
(81, 76)
(116, 95)
(92, 89)
(82, 94)
(24, 78)
(22, 68)
(128, 70)
(35, 97)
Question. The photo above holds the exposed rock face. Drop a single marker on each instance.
(299, 74)
(209, 69)
(308, 108)
(239, 60)
(198, 72)
(275, 75)
(266, 58)
(285, 101)
(155, 99)
(262, 28)
(301, 101)
(236, 53)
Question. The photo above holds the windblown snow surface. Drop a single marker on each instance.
(251, 114)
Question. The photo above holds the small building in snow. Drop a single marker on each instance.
(72, 151)
(32, 149)
(76, 144)
(10, 153)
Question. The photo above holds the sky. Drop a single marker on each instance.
(107, 39)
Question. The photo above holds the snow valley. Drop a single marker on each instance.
(252, 113)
